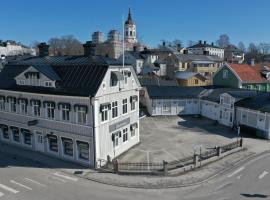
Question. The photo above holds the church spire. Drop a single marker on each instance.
(129, 20)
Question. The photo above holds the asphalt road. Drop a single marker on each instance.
(26, 180)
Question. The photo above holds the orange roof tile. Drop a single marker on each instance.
(248, 73)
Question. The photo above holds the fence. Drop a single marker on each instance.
(163, 167)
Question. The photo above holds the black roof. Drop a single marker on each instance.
(201, 45)
(75, 75)
(170, 92)
(260, 103)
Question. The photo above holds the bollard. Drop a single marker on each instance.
(218, 151)
(115, 166)
(165, 167)
(195, 160)
(241, 142)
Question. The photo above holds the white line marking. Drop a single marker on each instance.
(56, 178)
(238, 177)
(66, 177)
(8, 189)
(1, 194)
(24, 186)
(33, 181)
(237, 171)
(263, 174)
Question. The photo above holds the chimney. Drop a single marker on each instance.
(134, 48)
(204, 42)
(43, 49)
(200, 42)
(252, 62)
(163, 43)
(89, 48)
(212, 43)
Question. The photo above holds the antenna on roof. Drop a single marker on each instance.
(123, 41)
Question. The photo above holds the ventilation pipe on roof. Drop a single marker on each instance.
(212, 43)
(200, 41)
(204, 42)
(43, 49)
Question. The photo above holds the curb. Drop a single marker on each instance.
(245, 159)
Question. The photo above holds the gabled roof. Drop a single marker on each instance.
(170, 92)
(78, 76)
(202, 45)
(156, 80)
(259, 103)
(248, 73)
(196, 57)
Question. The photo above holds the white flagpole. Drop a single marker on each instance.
(123, 40)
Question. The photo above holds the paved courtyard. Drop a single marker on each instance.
(172, 137)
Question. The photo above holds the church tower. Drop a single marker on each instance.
(130, 29)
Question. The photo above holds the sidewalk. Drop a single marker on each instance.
(190, 178)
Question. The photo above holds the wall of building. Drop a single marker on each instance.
(230, 81)
(194, 81)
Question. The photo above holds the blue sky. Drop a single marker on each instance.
(242, 20)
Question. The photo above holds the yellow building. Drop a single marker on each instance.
(191, 79)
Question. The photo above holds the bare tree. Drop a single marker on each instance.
(223, 41)
(65, 45)
(177, 43)
(252, 48)
(241, 46)
(264, 47)
(191, 43)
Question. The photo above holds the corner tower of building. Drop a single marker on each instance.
(130, 29)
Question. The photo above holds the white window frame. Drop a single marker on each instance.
(2, 104)
(34, 107)
(48, 84)
(114, 109)
(23, 107)
(65, 109)
(63, 147)
(125, 135)
(50, 111)
(105, 113)
(81, 110)
(125, 106)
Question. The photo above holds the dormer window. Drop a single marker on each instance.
(48, 84)
(115, 77)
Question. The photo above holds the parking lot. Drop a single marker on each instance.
(172, 137)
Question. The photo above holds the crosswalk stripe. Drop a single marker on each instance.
(33, 181)
(263, 174)
(8, 189)
(237, 171)
(66, 177)
(24, 186)
(1, 194)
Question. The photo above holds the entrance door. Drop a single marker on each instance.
(39, 141)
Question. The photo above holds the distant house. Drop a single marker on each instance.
(203, 64)
(135, 58)
(252, 77)
(207, 49)
(190, 79)
(233, 55)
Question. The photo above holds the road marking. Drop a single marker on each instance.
(1, 194)
(56, 178)
(33, 181)
(8, 189)
(66, 177)
(237, 171)
(24, 186)
(263, 174)
(238, 177)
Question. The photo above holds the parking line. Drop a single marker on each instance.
(33, 181)
(8, 189)
(66, 177)
(24, 186)
(237, 171)
(263, 174)
(56, 178)
(1, 194)
(170, 154)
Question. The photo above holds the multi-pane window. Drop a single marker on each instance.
(124, 106)
(133, 128)
(5, 132)
(115, 138)
(104, 112)
(12, 104)
(23, 106)
(114, 109)
(83, 150)
(67, 146)
(133, 100)
(16, 134)
(81, 114)
(125, 135)
(2, 103)
(27, 139)
(50, 109)
(36, 107)
(65, 112)
(53, 143)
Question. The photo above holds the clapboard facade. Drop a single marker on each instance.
(76, 108)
